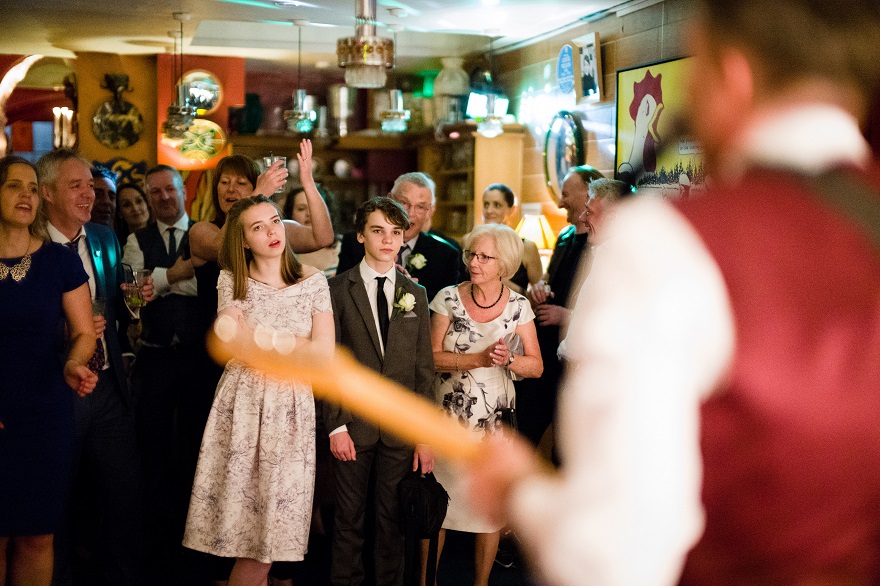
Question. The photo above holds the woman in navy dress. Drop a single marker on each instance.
(42, 287)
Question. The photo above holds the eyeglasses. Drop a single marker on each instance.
(481, 258)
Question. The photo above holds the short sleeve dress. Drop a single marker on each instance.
(253, 489)
(36, 404)
(474, 397)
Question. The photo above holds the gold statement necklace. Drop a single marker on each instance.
(19, 270)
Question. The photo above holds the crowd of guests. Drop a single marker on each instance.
(124, 440)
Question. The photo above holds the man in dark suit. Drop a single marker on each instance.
(429, 259)
(536, 397)
(172, 405)
(383, 318)
(104, 420)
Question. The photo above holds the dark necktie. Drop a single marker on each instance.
(172, 243)
(382, 310)
(74, 244)
(403, 249)
(96, 362)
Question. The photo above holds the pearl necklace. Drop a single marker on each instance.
(19, 270)
(486, 306)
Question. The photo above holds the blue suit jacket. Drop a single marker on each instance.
(106, 255)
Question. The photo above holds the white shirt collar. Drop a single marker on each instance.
(56, 235)
(412, 243)
(181, 224)
(811, 138)
(368, 274)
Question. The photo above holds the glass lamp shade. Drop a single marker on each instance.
(301, 119)
(490, 126)
(394, 118)
(365, 59)
(366, 76)
(181, 114)
(536, 228)
(452, 80)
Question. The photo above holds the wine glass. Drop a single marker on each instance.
(132, 293)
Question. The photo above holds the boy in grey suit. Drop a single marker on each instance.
(383, 318)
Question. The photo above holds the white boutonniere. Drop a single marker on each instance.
(405, 301)
(416, 261)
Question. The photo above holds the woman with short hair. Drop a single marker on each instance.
(475, 328)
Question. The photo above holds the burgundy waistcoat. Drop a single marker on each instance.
(791, 443)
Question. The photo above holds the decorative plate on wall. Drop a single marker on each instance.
(203, 140)
(117, 124)
(564, 149)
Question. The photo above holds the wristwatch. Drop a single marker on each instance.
(510, 358)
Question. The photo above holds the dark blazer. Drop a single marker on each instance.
(106, 257)
(443, 267)
(408, 358)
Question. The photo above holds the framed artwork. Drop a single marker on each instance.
(651, 152)
(590, 67)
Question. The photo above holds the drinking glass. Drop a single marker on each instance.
(132, 290)
(271, 160)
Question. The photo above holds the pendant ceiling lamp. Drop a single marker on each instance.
(300, 119)
(491, 125)
(365, 56)
(181, 113)
(394, 119)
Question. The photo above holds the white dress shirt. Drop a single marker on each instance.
(134, 256)
(369, 276)
(85, 255)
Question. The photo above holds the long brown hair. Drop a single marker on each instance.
(234, 257)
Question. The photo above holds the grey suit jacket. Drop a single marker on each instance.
(408, 358)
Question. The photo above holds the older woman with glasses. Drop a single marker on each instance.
(482, 334)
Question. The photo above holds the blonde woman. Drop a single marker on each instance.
(472, 329)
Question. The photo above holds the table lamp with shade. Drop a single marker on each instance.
(535, 227)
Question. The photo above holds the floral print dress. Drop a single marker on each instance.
(474, 397)
(253, 489)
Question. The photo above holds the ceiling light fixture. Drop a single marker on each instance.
(300, 119)
(181, 114)
(365, 56)
(491, 124)
(394, 119)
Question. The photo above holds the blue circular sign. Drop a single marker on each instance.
(565, 69)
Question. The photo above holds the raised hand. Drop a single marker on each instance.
(305, 162)
(272, 179)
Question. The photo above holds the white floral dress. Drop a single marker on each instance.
(252, 495)
(474, 397)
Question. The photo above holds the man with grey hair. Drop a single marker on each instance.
(429, 259)
(170, 411)
(604, 195)
(105, 443)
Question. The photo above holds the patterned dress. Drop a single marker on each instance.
(252, 495)
(474, 397)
